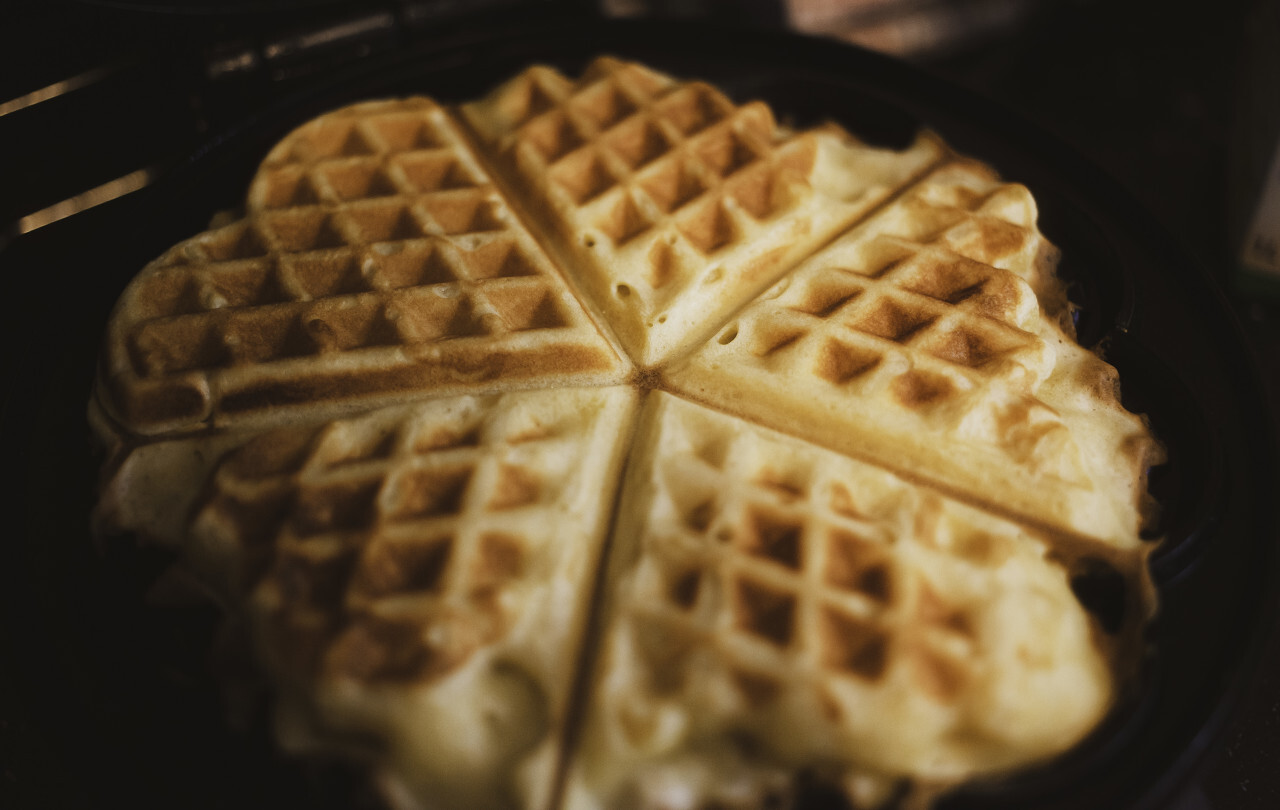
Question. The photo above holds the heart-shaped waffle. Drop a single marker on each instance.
(775, 465)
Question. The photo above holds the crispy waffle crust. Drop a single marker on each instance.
(603, 444)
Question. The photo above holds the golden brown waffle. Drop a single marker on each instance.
(904, 343)
(421, 574)
(771, 601)
(387, 429)
(668, 204)
(376, 264)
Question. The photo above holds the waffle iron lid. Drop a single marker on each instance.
(1157, 315)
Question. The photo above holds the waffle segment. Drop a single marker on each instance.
(421, 574)
(376, 264)
(669, 204)
(775, 609)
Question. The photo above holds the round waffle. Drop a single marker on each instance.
(602, 443)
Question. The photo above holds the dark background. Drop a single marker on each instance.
(1179, 102)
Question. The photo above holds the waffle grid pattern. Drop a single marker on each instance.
(637, 156)
(418, 282)
(918, 321)
(964, 208)
(790, 571)
(399, 540)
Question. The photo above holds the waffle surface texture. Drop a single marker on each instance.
(603, 443)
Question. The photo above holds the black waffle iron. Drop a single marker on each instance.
(108, 700)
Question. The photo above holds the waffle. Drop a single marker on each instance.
(916, 341)
(603, 444)
(376, 263)
(420, 574)
(774, 602)
(671, 204)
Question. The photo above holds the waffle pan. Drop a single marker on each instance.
(114, 698)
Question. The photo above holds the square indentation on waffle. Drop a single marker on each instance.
(391, 546)
(778, 565)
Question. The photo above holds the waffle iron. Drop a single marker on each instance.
(112, 699)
